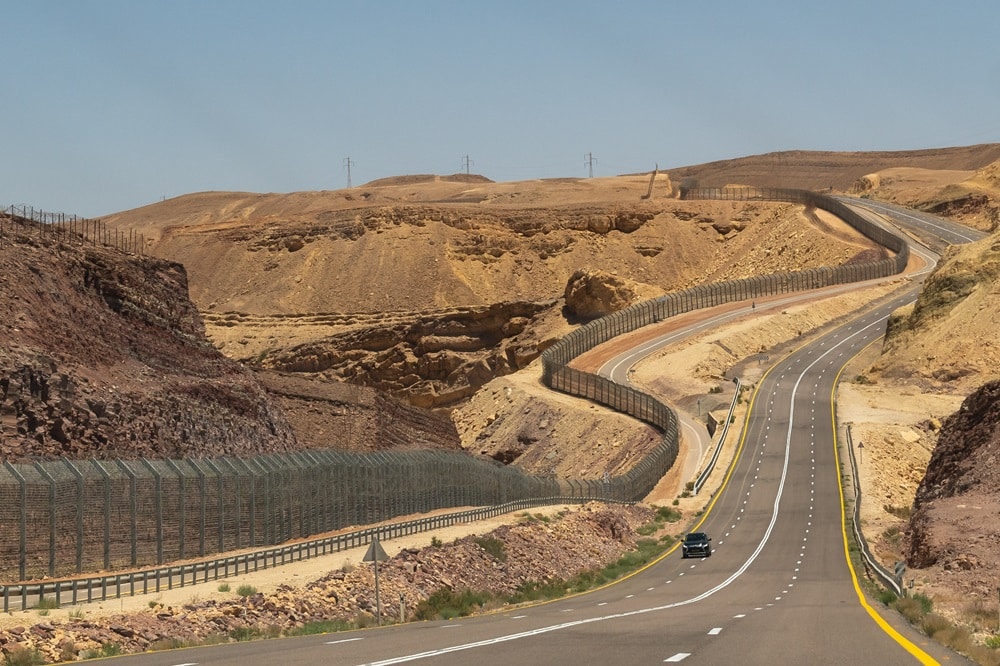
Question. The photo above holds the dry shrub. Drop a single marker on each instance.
(981, 615)
(910, 608)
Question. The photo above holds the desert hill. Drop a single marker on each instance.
(966, 195)
(105, 356)
(444, 289)
(429, 287)
(946, 342)
(828, 170)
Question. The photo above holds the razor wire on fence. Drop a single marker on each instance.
(25, 222)
(67, 517)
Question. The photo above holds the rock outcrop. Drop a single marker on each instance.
(593, 294)
(961, 485)
(105, 356)
(432, 359)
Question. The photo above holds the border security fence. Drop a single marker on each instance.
(67, 517)
(64, 517)
(558, 374)
(29, 222)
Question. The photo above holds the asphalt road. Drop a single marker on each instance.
(778, 588)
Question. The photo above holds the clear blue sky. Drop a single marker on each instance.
(113, 104)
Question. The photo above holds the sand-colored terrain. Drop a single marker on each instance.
(347, 271)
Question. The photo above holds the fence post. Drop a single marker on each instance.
(133, 510)
(221, 504)
(202, 501)
(182, 482)
(79, 513)
(158, 503)
(251, 501)
(52, 516)
(270, 527)
(23, 502)
(107, 513)
(237, 498)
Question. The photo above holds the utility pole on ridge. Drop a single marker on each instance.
(347, 165)
(466, 162)
(588, 161)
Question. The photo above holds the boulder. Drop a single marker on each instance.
(593, 294)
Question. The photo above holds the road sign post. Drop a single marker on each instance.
(375, 554)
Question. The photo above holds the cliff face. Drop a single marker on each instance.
(104, 356)
(954, 513)
(433, 359)
(429, 288)
(968, 450)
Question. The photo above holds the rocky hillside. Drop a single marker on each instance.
(428, 288)
(326, 414)
(823, 170)
(954, 523)
(435, 359)
(947, 340)
(105, 356)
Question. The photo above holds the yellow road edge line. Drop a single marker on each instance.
(904, 642)
(669, 551)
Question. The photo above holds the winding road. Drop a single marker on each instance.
(778, 588)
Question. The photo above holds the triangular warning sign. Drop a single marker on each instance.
(375, 552)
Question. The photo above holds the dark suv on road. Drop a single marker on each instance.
(696, 544)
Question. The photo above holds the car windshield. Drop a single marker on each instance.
(696, 536)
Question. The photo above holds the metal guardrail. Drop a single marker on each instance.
(707, 472)
(61, 518)
(890, 580)
(100, 588)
